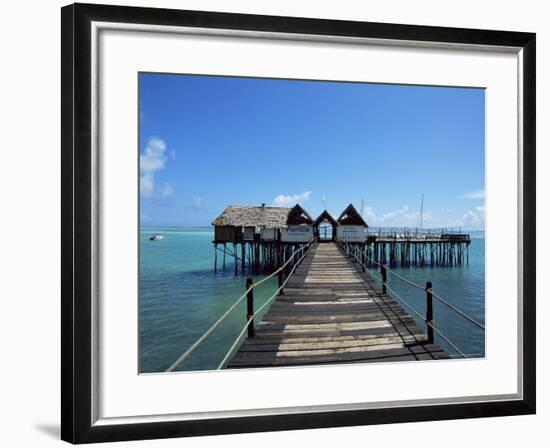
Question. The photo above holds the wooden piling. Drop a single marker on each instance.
(215, 258)
(250, 307)
(235, 257)
(429, 312)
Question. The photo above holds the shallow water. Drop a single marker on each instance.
(181, 296)
(463, 287)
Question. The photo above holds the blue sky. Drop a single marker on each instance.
(207, 142)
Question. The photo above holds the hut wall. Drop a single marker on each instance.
(297, 234)
(349, 233)
(268, 234)
(227, 234)
(248, 234)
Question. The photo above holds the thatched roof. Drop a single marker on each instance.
(350, 216)
(249, 215)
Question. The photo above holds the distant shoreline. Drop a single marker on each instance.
(177, 227)
(212, 228)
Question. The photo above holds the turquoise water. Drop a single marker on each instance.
(463, 287)
(181, 296)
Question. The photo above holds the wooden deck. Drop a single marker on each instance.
(333, 313)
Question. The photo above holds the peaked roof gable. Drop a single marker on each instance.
(351, 217)
(325, 215)
(298, 215)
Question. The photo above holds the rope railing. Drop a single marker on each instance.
(430, 324)
(250, 320)
(416, 285)
(247, 293)
(430, 294)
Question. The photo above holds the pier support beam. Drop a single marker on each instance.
(250, 308)
(384, 273)
(429, 312)
(215, 258)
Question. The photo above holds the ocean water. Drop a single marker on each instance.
(461, 286)
(181, 296)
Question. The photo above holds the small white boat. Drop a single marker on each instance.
(156, 238)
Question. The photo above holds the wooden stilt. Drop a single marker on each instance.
(215, 257)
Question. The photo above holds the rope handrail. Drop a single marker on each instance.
(251, 318)
(290, 258)
(406, 280)
(427, 322)
(457, 310)
(423, 288)
(430, 324)
(192, 348)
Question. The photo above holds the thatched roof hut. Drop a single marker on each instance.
(243, 222)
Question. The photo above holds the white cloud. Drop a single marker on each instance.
(153, 159)
(147, 185)
(479, 194)
(289, 200)
(166, 190)
(197, 202)
(369, 214)
(399, 212)
(473, 218)
(401, 217)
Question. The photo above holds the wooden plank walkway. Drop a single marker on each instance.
(333, 313)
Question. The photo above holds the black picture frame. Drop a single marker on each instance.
(76, 218)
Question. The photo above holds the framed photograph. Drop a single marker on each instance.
(275, 223)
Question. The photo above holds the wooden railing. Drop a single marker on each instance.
(412, 232)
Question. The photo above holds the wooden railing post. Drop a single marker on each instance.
(280, 276)
(429, 312)
(384, 277)
(250, 307)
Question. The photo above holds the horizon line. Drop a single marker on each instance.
(373, 227)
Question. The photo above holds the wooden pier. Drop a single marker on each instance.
(417, 247)
(332, 312)
(259, 239)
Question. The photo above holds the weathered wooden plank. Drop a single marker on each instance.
(311, 339)
(334, 344)
(402, 329)
(391, 354)
(333, 313)
(333, 306)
